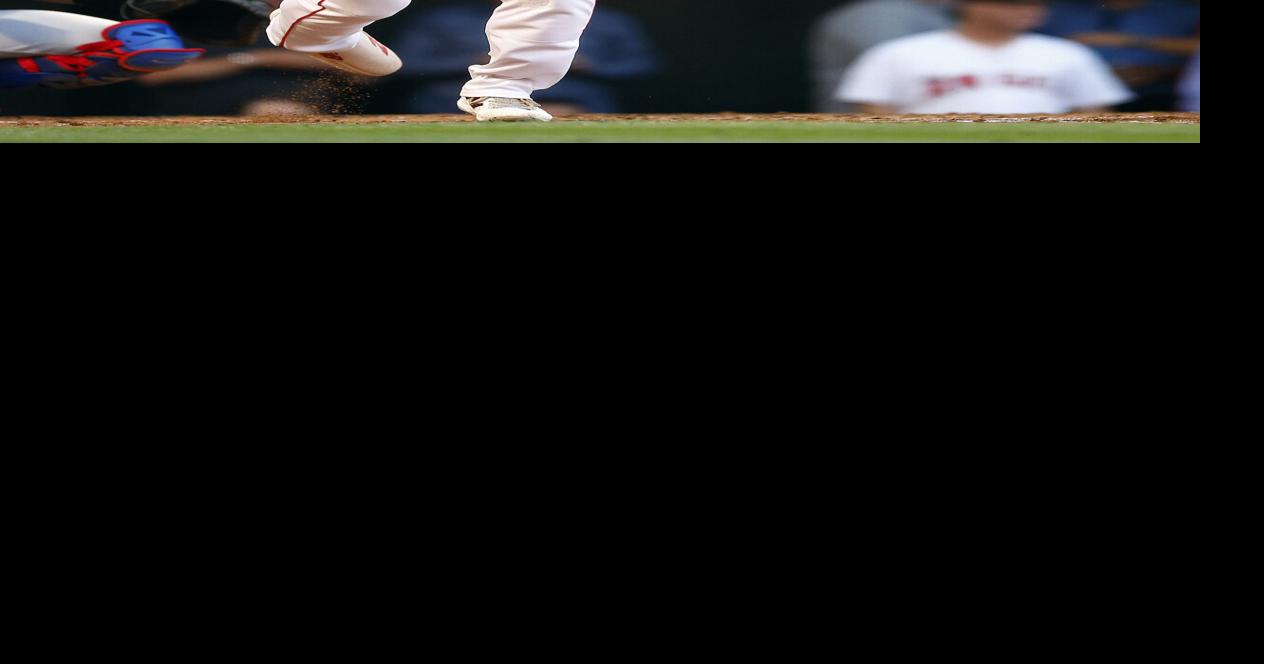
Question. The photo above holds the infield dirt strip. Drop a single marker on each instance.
(1110, 118)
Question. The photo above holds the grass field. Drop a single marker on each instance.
(608, 131)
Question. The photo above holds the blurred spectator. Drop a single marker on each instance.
(990, 63)
(1191, 87)
(845, 33)
(438, 46)
(1147, 42)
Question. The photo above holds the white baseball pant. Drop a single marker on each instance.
(533, 42)
(25, 33)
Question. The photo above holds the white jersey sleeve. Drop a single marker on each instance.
(873, 79)
(26, 32)
(1092, 83)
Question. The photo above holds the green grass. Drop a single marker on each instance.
(616, 132)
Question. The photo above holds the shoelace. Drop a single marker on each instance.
(504, 102)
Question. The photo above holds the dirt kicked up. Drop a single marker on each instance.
(1111, 118)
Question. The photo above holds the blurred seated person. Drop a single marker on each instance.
(439, 45)
(989, 63)
(842, 35)
(1191, 87)
(1147, 42)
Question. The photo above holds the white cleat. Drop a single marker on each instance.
(369, 58)
(503, 109)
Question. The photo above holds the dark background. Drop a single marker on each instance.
(717, 55)
(738, 55)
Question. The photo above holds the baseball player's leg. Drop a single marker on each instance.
(26, 32)
(333, 30)
(533, 46)
(64, 50)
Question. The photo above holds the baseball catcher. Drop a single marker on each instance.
(112, 41)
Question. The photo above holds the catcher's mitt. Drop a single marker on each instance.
(210, 22)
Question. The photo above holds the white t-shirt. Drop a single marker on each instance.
(945, 72)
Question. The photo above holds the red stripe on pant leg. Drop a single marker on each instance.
(321, 6)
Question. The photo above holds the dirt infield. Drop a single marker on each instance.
(1111, 118)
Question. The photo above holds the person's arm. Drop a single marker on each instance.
(1185, 46)
(216, 68)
